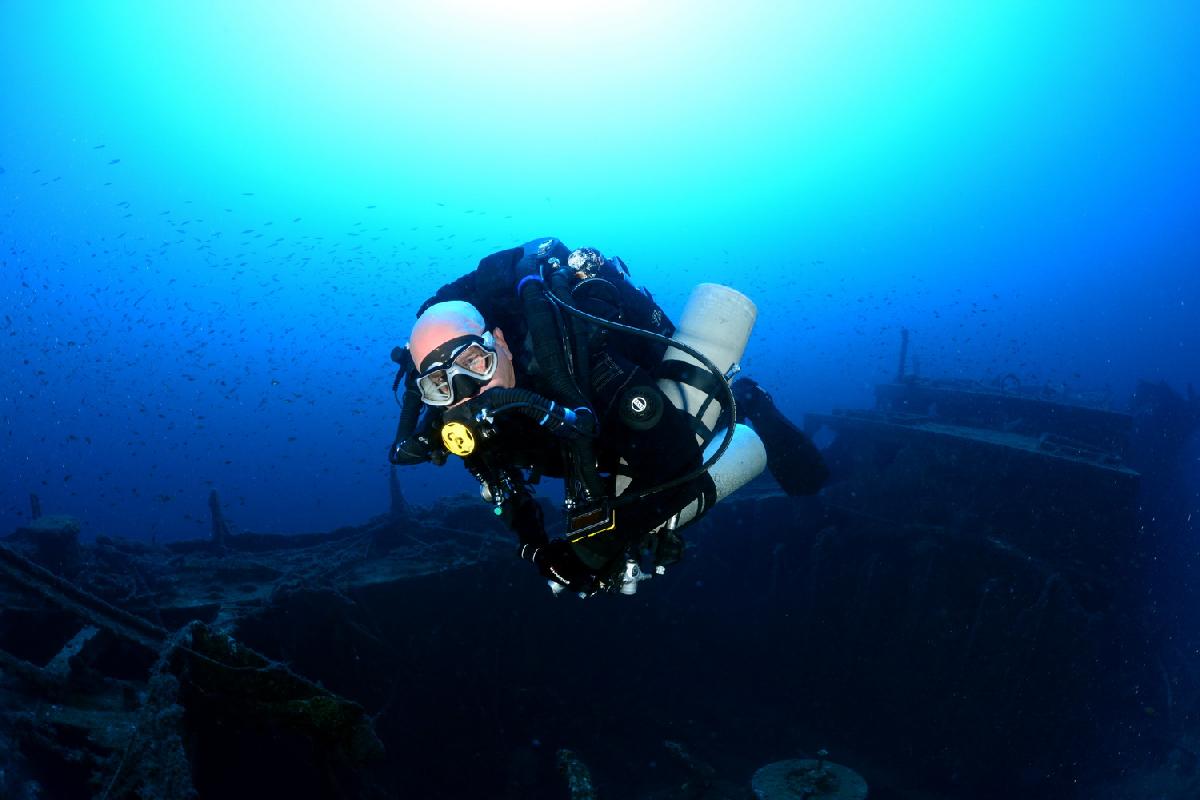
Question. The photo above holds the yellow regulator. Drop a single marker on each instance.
(458, 439)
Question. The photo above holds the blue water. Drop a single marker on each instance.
(216, 220)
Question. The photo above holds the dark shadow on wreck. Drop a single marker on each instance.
(975, 607)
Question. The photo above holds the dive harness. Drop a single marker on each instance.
(722, 379)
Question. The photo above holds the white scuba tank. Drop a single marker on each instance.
(717, 321)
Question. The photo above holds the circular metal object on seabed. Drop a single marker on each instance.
(807, 779)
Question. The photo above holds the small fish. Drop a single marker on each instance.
(114, 161)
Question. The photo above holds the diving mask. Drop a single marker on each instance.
(457, 369)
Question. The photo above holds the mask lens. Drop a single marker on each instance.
(435, 388)
(477, 360)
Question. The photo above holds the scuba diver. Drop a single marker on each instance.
(547, 362)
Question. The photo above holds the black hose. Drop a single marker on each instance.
(410, 412)
(546, 333)
(575, 337)
(547, 330)
(579, 422)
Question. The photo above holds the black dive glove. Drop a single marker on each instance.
(557, 561)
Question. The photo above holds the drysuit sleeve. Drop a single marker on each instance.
(523, 516)
(482, 286)
(491, 286)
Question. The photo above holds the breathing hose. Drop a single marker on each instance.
(570, 423)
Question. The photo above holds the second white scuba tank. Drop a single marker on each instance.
(717, 321)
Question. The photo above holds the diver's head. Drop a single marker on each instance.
(456, 356)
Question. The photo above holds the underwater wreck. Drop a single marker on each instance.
(959, 614)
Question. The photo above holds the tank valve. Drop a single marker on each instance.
(633, 574)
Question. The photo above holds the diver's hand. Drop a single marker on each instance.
(557, 561)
